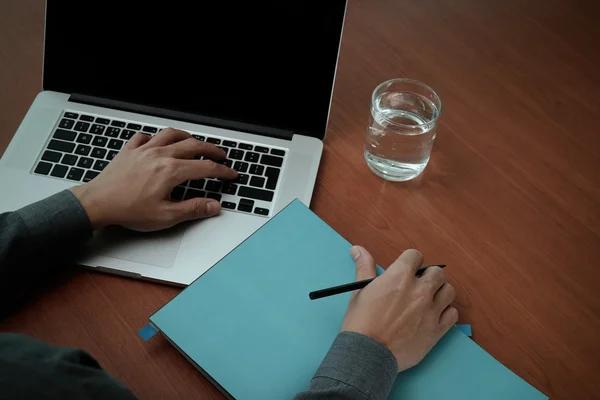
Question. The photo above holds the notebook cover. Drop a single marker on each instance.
(248, 322)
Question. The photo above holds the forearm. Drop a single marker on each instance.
(355, 368)
(36, 238)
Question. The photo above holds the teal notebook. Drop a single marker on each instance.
(248, 322)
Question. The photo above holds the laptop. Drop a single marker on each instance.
(255, 78)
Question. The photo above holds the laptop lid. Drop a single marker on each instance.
(263, 67)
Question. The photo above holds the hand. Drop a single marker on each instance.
(134, 189)
(408, 314)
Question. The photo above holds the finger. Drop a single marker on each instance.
(137, 140)
(193, 209)
(444, 297)
(433, 278)
(407, 263)
(168, 136)
(191, 147)
(448, 319)
(365, 266)
(196, 169)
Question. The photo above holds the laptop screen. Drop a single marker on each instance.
(268, 63)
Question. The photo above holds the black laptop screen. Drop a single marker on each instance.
(269, 63)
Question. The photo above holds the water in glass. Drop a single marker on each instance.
(400, 135)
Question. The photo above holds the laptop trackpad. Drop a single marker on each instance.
(152, 248)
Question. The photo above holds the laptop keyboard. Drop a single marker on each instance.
(82, 145)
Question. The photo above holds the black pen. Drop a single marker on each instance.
(349, 287)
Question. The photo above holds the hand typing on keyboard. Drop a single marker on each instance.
(133, 190)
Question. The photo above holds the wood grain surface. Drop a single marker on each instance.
(510, 199)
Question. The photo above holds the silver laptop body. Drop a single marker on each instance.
(68, 137)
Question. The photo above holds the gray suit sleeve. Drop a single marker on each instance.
(356, 367)
(34, 240)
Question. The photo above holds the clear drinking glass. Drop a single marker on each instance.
(401, 130)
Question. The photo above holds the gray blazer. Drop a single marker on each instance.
(38, 238)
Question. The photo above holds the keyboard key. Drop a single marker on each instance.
(83, 150)
(213, 140)
(90, 175)
(193, 193)
(97, 129)
(127, 134)
(43, 168)
(82, 126)
(84, 138)
(111, 154)
(272, 175)
(75, 174)
(59, 171)
(229, 143)
(197, 184)
(236, 154)
(240, 166)
(66, 123)
(120, 124)
(228, 204)
(278, 152)
(100, 141)
(261, 211)
(215, 196)
(51, 156)
(112, 132)
(85, 162)
(246, 146)
(115, 144)
(99, 165)
(258, 194)
(242, 179)
(98, 152)
(88, 118)
(71, 115)
(64, 135)
(229, 188)
(261, 149)
(225, 149)
(200, 138)
(271, 160)
(246, 205)
(102, 121)
(228, 163)
(177, 193)
(150, 129)
(69, 159)
(213, 186)
(257, 181)
(61, 146)
(251, 156)
(257, 169)
(135, 127)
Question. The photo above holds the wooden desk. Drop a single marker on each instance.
(510, 200)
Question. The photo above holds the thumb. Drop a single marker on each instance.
(365, 266)
(197, 208)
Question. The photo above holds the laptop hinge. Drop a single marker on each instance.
(182, 116)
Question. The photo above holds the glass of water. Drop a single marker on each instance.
(401, 131)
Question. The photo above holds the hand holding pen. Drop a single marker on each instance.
(406, 313)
